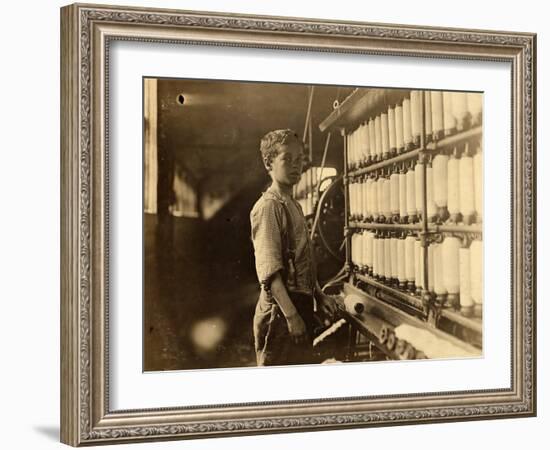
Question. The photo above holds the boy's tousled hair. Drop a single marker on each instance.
(269, 145)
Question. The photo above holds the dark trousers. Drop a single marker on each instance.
(273, 344)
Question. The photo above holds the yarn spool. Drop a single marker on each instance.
(478, 184)
(380, 199)
(365, 149)
(387, 260)
(449, 124)
(365, 246)
(357, 245)
(351, 192)
(359, 254)
(381, 258)
(476, 275)
(351, 148)
(368, 198)
(355, 148)
(365, 198)
(411, 196)
(365, 195)
(394, 194)
(360, 199)
(419, 187)
(453, 189)
(357, 199)
(372, 140)
(353, 200)
(439, 285)
(378, 137)
(394, 259)
(385, 135)
(401, 270)
(399, 140)
(375, 264)
(360, 144)
(374, 199)
(387, 211)
(354, 249)
(460, 110)
(409, 262)
(364, 140)
(416, 117)
(403, 197)
(407, 122)
(431, 206)
(467, 190)
(360, 132)
(475, 107)
(466, 301)
(418, 266)
(431, 270)
(437, 114)
(428, 115)
(355, 140)
(361, 243)
(349, 151)
(392, 134)
(360, 248)
(370, 250)
(439, 165)
(451, 269)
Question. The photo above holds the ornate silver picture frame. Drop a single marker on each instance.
(87, 35)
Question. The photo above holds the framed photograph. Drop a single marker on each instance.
(276, 224)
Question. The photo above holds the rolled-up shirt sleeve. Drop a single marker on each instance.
(266, 226)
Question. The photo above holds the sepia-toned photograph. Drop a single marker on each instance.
(277, 224)
(290, 224)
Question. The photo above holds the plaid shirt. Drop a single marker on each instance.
(269, 225)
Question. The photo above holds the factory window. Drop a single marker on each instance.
(306, 191)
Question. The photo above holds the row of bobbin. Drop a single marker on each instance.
(305, 191)
(455, 266)
(454, 190)
(398, 129)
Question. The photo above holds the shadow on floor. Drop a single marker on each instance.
(50, 432)
(199, 297)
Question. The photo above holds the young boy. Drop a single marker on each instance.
(283, 320)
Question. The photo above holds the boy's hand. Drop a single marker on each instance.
(296, 328)
(327, 305)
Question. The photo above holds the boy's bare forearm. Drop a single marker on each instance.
(281, 296)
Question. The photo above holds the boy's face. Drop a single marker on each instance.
(286, 167)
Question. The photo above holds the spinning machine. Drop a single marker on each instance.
(405, 220)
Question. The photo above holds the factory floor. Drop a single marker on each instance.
(198, 302)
